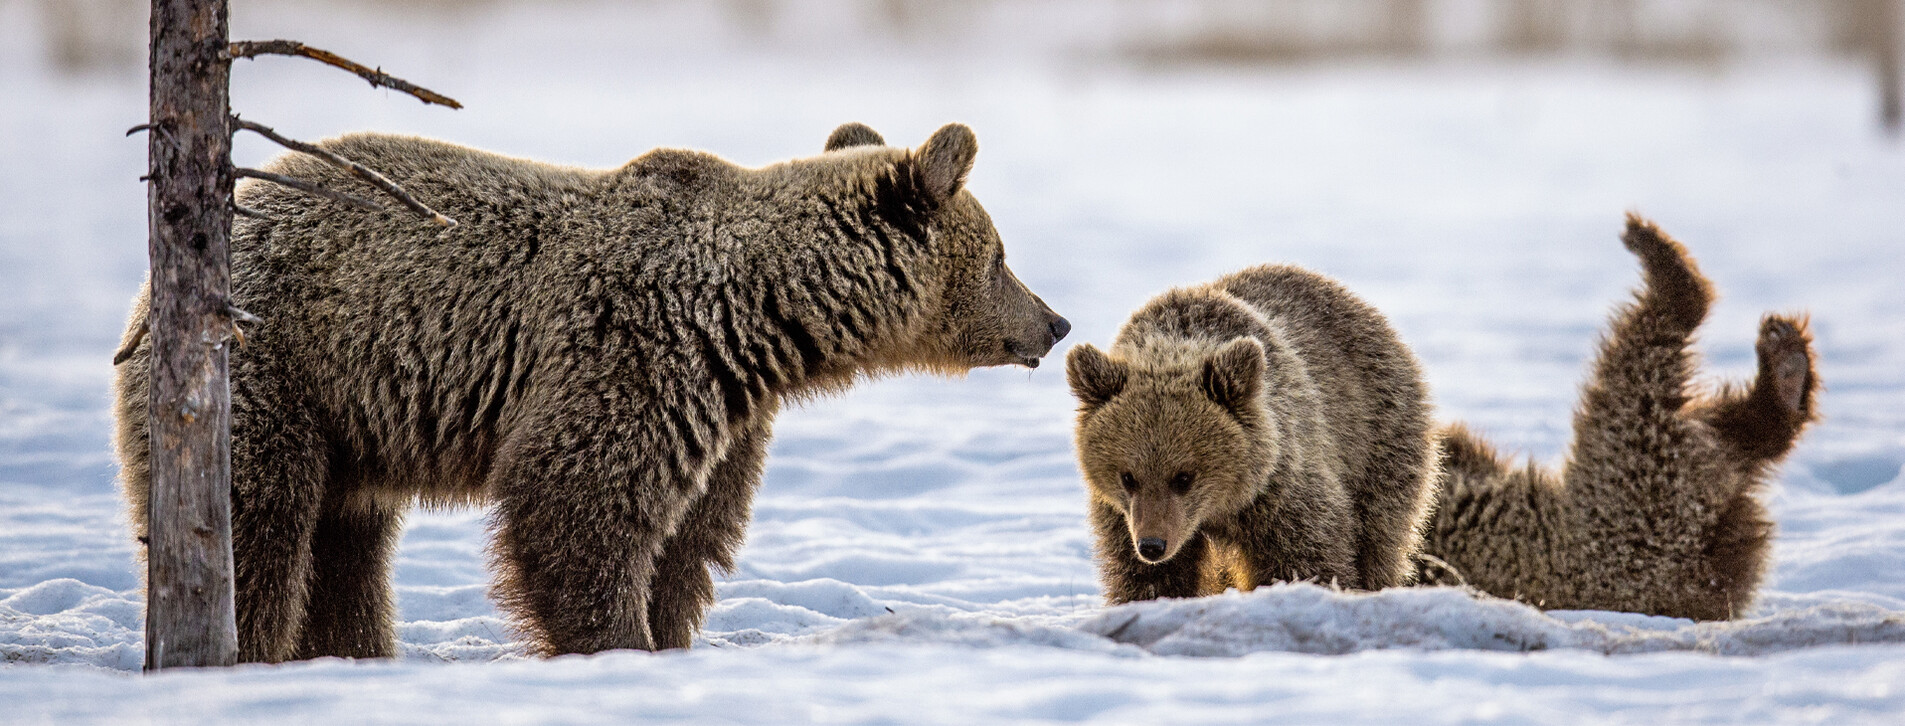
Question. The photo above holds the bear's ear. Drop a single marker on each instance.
(1234, 374)
(1094, 376)
(853, 133)
(946, 159)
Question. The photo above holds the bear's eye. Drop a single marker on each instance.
(1181, 483)
(1130, 482)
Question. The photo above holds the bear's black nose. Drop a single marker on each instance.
(1060, 327)
(1151, 548)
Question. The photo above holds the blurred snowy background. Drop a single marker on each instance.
(919, 552)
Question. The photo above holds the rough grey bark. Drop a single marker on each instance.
(189, 616)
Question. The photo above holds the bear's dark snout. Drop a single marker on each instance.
(1151, 549)
(1060, 326)
(1037, 338)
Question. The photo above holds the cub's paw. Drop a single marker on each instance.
(1786, 364)
(1433, 571)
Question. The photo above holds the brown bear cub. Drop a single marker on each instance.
(598, 353)
(1267, 426)
(1654, 509)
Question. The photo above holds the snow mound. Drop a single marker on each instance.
(477, 639)
(70, 622)
(830, 598)
(967, 629)
(1305, 618)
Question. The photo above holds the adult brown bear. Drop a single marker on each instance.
(598, 353)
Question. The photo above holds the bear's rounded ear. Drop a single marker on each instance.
(1094, 376)
(1233, 376)
(946, 159)
(854, 133)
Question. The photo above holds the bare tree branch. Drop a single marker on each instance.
(233, 312)
(155, 128)
(244, 211)
(309, 188)
(362, 172)
(376, 76)
(238, 315)
(125, 351)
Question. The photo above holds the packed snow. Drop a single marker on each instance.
(919, 551)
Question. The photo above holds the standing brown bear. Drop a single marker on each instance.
(1266, 426)
(599, 353)
(1654, 510)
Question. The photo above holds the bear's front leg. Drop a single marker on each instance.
(585, 499)
(1127, 578)
(1306, 535)
(683, 589)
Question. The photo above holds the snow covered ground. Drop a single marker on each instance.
(918, 552)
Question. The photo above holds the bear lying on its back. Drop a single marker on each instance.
(1267, 426)
(1656, 509)
(599, 353)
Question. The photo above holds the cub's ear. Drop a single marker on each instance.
(1234, 374)
(853, 133)
(1094, 376)
(946, 159)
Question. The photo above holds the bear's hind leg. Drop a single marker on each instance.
(1760, 423)
(351, 611)
(279, 474)
(1631, 442)
(682, 588)
(1642, 485)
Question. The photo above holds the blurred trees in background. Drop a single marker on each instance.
(86, 34)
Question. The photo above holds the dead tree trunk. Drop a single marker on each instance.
(189, 586)
(1891, 79)
(189, 616)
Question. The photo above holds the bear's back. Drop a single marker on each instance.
(447, 174)
(1339, 335)
(404, 334)
(493, 199)
(1370, 380)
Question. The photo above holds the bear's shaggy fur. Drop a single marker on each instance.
(1267, 426)
(1654, 509)
(599, 353)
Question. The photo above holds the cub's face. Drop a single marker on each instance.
(1171, 443)
(982, 315)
